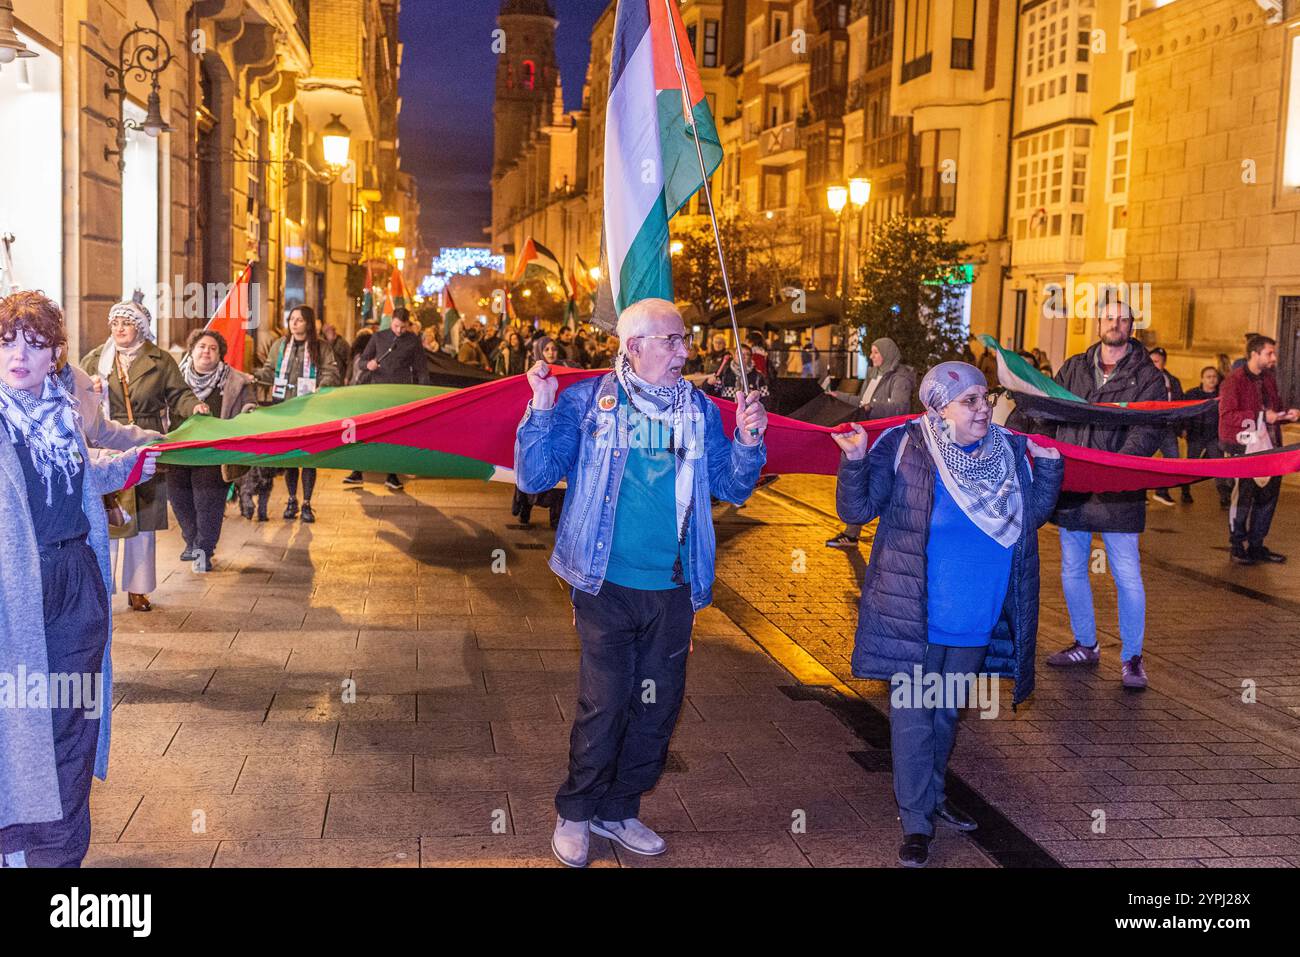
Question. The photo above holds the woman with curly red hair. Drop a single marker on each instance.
(55, 620)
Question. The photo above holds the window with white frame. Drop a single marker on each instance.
(1057, 41)
(1051, 183)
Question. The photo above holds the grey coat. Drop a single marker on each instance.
(29, 784)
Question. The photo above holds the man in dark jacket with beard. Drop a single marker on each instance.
(1115, 369)
(393, 356)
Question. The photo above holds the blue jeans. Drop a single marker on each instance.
(921, 740)
(1125, 567)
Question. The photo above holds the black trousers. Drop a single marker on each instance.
(1210, 449)
(76, 631)
(198, 497)
(1251, 511)
(308, 483)
(631, 682)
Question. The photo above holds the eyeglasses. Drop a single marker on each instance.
(121, 324)
(973, 402)
(674, 339)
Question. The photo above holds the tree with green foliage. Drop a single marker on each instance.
(908, 291)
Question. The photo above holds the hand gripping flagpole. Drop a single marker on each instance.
(688, 114)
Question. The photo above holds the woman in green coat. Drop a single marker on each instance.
(299, 364)
(140, 384)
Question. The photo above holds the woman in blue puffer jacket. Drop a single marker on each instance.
(950, 595)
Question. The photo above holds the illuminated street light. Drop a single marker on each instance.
(392, 223)
(336, 142)
(859, 190)
(675, 247)
(837, 197)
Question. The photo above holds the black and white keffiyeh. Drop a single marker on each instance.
(203, 384)
(49, 426)
(669, 405)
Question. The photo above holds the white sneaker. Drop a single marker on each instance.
(571, 841)
(632, 834)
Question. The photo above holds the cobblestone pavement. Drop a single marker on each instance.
(1186, 773)
(232, 745)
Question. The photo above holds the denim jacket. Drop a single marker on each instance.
(577, 440)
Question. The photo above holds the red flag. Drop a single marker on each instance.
(231, 319)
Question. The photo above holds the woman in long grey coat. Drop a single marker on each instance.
(55, 617)
(129, 365)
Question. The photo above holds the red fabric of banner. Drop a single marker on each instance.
(480, 422)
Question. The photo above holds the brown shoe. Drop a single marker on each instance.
(139, 602)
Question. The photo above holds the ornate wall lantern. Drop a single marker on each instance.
(145, 59)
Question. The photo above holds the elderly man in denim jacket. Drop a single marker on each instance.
(642, 451)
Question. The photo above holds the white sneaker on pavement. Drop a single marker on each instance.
(571, 841)
(632, 834)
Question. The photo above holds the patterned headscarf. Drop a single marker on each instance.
(108, 356)
(983, 482)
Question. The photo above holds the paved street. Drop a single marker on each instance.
(233, 745)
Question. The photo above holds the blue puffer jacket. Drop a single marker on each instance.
(892, 632)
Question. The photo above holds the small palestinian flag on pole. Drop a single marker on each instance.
(535, 257)
(450, 316)
(395, 299)
(368, 294)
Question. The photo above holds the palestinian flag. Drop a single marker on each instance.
(1041, 397)
(368, 294)
(230, 319)
(395, 298)
(534, 258)
(423, 430)
(449, 316)
(651, 168)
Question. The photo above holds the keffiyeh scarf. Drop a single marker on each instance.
(203, 384)
(50, 428)
(983, 483)
(670, 406)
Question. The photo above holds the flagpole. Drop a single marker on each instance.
(688, 114)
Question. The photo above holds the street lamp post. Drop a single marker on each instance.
(146, 58)
(839, 197)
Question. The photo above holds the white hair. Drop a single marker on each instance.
(636, 318)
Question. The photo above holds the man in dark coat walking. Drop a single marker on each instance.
(1114, 369)
(393, 356)
(1169, 444)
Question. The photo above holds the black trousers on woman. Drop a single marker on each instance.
(76, 631)
(198, 497)
(308, 482)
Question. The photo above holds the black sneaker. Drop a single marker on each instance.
(394, 483)
(1262, 554)
(1162, 496)
(842, 540)
(308, 515)
(915, 850)
(353, 478)
(955, 818)
(1187, 497)
(291, 509)
(1240, 556)
(189, 554)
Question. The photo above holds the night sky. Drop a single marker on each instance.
(448, 73)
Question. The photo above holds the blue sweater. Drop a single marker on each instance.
(966, 575)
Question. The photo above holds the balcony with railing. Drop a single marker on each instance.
(1045, 250)
(781, 145)
(780, 64)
